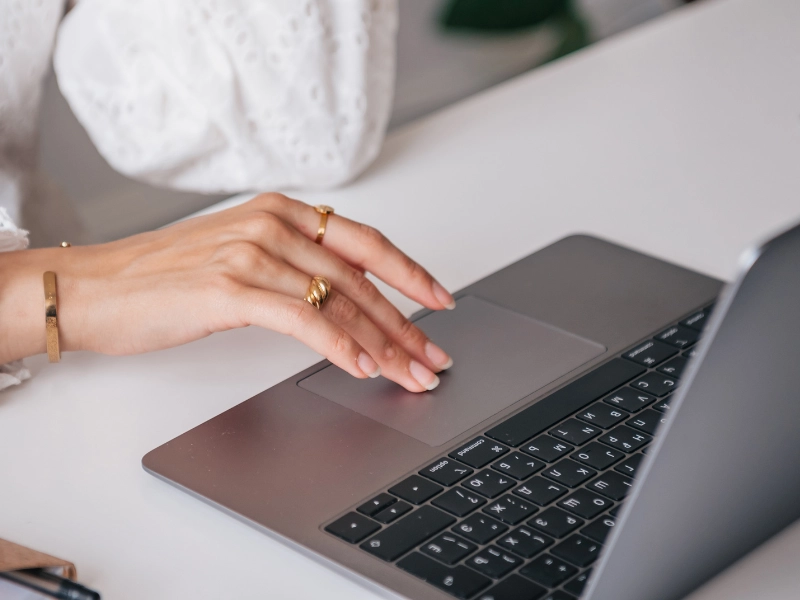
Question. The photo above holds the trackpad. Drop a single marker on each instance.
(499, 357)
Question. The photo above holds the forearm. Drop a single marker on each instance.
(22, 323)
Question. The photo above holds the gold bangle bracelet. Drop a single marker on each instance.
(51, 316)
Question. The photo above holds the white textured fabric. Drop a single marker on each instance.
(27, 32)
(12, 238)
(231, 95)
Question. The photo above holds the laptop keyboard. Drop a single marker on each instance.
(522, 512)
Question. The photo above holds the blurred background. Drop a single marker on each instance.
(447, 50)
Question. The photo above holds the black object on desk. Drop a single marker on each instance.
(49, 584)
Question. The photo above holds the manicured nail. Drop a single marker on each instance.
(424, 376)
(443, 296)
(438, 356)
(368, 365)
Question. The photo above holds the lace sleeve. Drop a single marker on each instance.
(231, 95)
(12, 238)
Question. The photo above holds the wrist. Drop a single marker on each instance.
(22, 319)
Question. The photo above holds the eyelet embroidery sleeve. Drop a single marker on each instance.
(231, 95)
(12, 238)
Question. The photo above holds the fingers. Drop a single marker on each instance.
(361, 246)
(308, 257)
(395, 363)
(256, 269)
(302, 321)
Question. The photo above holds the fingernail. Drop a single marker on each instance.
(443, 296)
(438, 356)
(368, 365)
(424, 376)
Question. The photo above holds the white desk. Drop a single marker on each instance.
(681, 139)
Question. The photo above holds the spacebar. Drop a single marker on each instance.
(550, 410)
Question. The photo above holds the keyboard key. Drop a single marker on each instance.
(602, 415)
(574, 432)
(663, 405)
(415, 489)
(404, 534)
(510, 509)
(586, 504)
(494, 562)
(459, 502)
(698, 320)
(625, 439)
(514, 587)
(629, 399)
(614, 512)
(597, 456)
(648, 421)
(656, 384)
(458, 581)
(548, 411)
(539, 490)
(478, 452)
(559, 595)
(678, 336)
(599, 529)
(489, 483)
(555, 522)
(518, 466)
(546, 448)
(480, 529)
(446, 471)
(578, 550)
(398, 509)
(674, 367)
(352, 527)
(569, 473)
(650, 353)
(630, 466)
(525, 542)
(377, 504)
(612, 485)
(690, 353)
(548, 571)
(577, 584)
(448, 548)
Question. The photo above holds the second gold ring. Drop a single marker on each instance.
(323, 211)
(318, 291)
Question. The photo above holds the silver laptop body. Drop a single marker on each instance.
(721, 476)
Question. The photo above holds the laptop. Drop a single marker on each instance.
(612, 428)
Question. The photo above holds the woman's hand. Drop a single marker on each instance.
(249, 265)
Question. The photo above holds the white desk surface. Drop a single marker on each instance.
(680, 139)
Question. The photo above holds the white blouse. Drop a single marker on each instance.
(231, 95)
(202, 95)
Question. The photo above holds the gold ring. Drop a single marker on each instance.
(318, 291)
(324, 211)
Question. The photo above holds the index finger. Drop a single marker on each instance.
(366, 248)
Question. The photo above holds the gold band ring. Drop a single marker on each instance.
(324, 211)
(318, 291)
